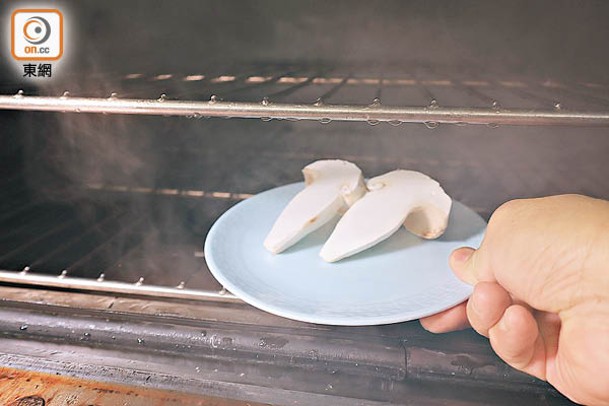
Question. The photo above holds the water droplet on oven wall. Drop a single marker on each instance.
(213, 99)
(196, 115)
(395, 123)
(373, 122)
(496, 105)
(23, 327)
(325, 120)
(141, 341)
(318, 102)
(113, 96)
(433, 104)
(266, 118)
(431, 124)
(376, 102)
(65, 95)
(557, 106)
(162, 98)
(265, 101)
(314, 355)
(19, 94)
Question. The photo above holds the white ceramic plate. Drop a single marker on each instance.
(403, 278)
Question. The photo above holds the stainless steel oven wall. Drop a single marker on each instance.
(548, 38)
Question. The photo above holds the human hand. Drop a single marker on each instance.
(541, 292)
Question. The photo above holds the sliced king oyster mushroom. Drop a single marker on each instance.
(396, 198)
(331, 186)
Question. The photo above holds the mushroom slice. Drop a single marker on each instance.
(331, 187)
(396, 198)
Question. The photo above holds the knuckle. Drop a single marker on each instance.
(506, 210)
(509, 214)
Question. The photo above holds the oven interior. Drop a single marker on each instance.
(104, 214)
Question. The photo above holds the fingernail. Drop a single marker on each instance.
(462, 255)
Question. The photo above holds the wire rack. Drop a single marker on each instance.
(62, 281)
(114, 239)
(417, 95)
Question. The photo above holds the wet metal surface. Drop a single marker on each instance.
(241, 353)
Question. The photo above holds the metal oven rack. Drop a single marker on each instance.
(326, 95)
(62, 235)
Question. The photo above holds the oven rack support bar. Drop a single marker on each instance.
(322, 112)
(91, 285)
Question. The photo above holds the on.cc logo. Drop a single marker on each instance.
(36, 30)
(36, 34)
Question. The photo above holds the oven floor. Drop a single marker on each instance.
(28, 388)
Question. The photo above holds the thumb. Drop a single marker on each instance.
(470, 265)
